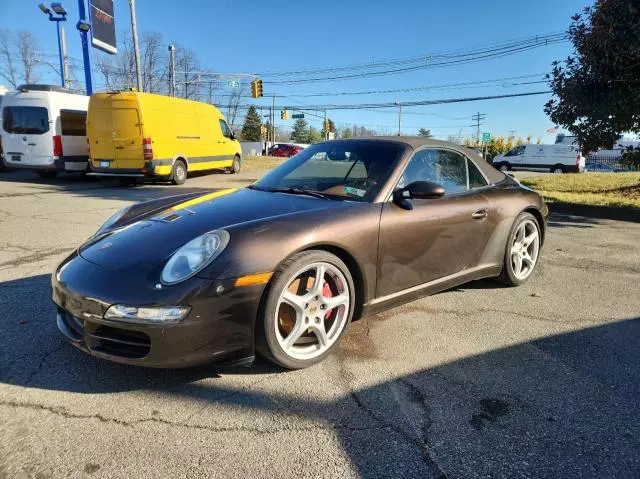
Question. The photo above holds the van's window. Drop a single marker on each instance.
(476, 180)
(73, 122)
(32, 120)
(225, 129)
(517, 151)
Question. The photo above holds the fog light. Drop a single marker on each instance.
(148, 315)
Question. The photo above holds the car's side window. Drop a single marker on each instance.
(445, 167)
(476, 180)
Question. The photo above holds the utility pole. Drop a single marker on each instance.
(136, 47)
(512, 133)
(172, 70)
(399, 117)
(273, 123)
(326, 126)
(478, 118)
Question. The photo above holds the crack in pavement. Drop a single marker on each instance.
(35, 257)
(60, 411)
(426, 453)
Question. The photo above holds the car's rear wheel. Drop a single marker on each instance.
(308, 307)
(179, 173)
(47, 175)
(557, 169)
(522, 251)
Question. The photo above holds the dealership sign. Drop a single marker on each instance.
(103, 27)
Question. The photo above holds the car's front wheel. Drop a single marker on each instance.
(308, 307)
(522, 251)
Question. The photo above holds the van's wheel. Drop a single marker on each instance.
(179, 173)
(504, 167)
(47, 175)
(557, 169)
(522, 250)
(235, 167)
(308, 306)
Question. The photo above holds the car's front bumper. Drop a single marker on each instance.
(219, 328)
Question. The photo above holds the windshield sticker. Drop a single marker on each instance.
(354, 191)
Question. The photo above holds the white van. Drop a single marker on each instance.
(560, 158)
(43, 128)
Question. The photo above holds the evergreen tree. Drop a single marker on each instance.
(300, 133)
(251, 127)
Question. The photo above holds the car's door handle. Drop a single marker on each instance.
(31, 144)
(480, 214)
(119, 147)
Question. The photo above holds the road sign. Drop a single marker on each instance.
(486, 137)
(103, 27)
(297, 116)
(233, 84)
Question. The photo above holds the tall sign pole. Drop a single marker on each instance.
(136, 48)
(65, 59)
(84, 26)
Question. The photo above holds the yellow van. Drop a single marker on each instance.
(136, 135)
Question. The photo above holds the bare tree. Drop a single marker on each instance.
(187, 67)
(235, 99)
(8, 69)
(154, 63)
(28, 56)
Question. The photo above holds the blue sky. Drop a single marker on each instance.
(257, 36)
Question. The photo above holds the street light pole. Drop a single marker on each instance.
(399, 118)
(65, 58)
(136, 48)
(60, 16)
(83, 27)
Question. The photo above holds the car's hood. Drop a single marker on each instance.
(152, 238)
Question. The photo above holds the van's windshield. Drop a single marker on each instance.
(33, 120)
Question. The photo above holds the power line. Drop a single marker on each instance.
(442, 60)
(367, 106)
(422, 58)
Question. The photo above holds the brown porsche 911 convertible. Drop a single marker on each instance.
(341, 230)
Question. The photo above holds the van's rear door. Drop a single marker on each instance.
(127, 138)
(27, 131)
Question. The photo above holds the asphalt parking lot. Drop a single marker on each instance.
(479, 381)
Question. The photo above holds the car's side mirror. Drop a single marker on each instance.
(418, 190)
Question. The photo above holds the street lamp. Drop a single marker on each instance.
(58, 14)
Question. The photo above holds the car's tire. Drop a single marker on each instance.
(47, 175)
(557, 169)
(296, 328)
(235, 166)
(504, 166)
(523, 246)
(179, 172)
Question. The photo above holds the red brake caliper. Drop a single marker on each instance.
(326, 293)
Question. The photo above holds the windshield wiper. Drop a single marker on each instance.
(290, 191)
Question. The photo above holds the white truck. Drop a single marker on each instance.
(43, 128)
(559, 158)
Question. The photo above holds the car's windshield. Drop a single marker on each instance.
(349, 170)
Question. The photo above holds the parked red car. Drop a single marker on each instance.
(284, 151)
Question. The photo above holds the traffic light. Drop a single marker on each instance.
(326, 126)
(263, 130)
(284, 114)
(256, 88)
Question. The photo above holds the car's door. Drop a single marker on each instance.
(437, 237)
(225, 143)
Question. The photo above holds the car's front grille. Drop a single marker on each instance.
(118, 342)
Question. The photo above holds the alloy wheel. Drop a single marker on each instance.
(524, 249)
(312, 311)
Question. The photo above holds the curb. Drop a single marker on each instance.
(617, 213)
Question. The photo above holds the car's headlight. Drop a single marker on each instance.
(194, 256)
(112, 220)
